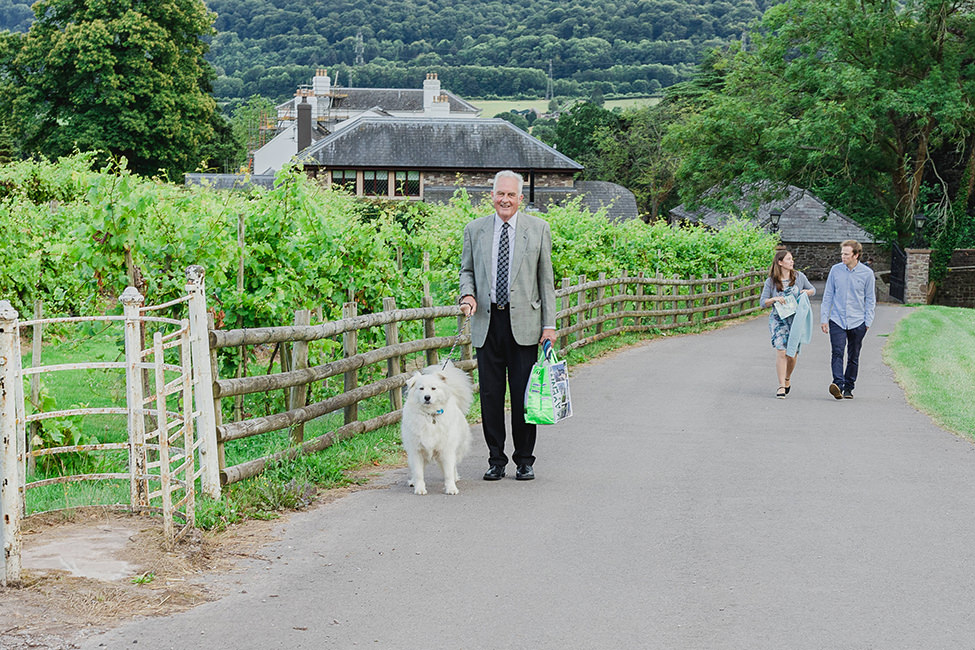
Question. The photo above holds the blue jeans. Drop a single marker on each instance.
(839, 339)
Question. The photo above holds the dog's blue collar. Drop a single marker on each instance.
(440, 412)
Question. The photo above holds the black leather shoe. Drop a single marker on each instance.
(848, 394)
(525, 473)
(494, 473)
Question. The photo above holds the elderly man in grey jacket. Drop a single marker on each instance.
(508, 286)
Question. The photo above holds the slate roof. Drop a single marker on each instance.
(435, 144)
(619, 202)
(394, 99)
(805, 218)
(390, 99)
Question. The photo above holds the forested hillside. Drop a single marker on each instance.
(481, 48)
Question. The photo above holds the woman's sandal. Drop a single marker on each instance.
(781, 393)
(789, 387)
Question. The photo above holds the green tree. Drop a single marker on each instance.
(575, 132)
(596, 96)
(249, 122)
(223, 153)
(6, 145)
(544, 130)
(517, 119)
(632, 155)
(122, 76)
(872, 99)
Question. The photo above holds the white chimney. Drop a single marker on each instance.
(440, 107)
(321, 86)
(431, 90)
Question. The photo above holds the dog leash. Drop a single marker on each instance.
(460, 333)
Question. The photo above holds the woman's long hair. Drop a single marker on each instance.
(773, 271)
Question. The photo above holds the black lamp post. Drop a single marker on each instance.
(919, 220)
(774, 215)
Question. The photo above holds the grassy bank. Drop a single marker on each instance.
(932, 352)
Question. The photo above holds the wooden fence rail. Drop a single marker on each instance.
(589, 311)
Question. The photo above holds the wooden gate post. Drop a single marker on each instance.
(350, 345)
(600, 294)
(132, 302)
(162, 432)
(565, 321)
(429, 326)
(200, 346)
(393, 364)
(299, 361)
(11, 483)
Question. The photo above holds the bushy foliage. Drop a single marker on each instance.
(75, 237)
(585, 243)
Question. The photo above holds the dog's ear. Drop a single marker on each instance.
(412, 379)
(442, 376)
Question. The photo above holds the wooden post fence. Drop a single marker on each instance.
(350, 343)
(132, 302)
(299, 361)
(11, 485)
(203, 373)
(587, 311)
(393, 364)
(429, 327)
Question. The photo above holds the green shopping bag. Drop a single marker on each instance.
(547, 398)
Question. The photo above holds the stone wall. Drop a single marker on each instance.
(958, 288)
(475, 179)
(816, 259)
(453, 178)
(916, 277)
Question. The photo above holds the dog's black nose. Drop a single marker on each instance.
(426, 398)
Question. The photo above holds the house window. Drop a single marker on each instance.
(344, 178)
(407, 183)
(375, 183)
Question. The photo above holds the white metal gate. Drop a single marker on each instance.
(165, 458)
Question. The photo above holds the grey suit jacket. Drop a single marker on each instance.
(531, 280)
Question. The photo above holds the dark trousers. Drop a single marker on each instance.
(499, 360)
(851, 340)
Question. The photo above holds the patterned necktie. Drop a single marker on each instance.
(501, 287)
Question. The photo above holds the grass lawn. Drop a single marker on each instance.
(932, 352)
(491, 107)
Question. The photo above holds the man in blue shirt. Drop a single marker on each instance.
(849, 302)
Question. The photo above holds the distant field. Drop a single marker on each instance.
(490, 108)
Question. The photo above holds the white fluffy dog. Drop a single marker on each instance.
(434, 425)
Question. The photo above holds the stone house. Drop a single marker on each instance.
(428, 159)
(414, 144)
(331, 107)
(808, 227)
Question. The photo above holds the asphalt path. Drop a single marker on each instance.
(682, 507)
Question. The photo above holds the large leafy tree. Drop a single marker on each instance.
(575, 132)
(631, 154)
(126, 77)
(871, 102)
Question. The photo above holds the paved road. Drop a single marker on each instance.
(683, 507)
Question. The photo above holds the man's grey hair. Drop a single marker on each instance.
(507, 173)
